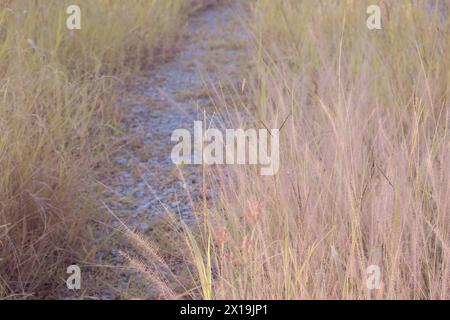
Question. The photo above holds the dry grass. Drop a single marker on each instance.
(365, 159)
(56, 91)
(365, 153)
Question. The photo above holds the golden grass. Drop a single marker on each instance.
(365, 159)
(365, 152)
(57, 88)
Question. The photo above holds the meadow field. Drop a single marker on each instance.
(364, 174)
(360, 205)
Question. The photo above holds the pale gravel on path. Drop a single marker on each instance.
(144, 182)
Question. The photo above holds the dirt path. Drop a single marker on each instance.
(144, 182)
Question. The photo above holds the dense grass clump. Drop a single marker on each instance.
(57, 89)
(365, 158)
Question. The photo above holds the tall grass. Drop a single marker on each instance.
(365, 159)
(57, 89)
